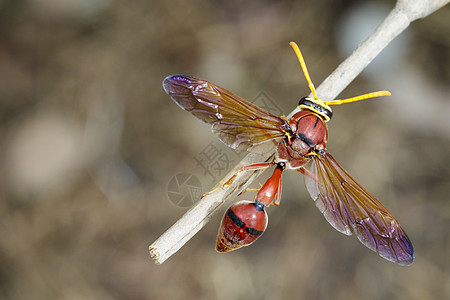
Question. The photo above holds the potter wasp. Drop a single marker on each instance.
(300, 145)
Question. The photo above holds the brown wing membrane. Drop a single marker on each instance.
(349, 208)
(236, 121)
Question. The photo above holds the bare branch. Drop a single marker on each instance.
(187, 226)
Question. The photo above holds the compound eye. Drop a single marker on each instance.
(302, 101)
(329, 113)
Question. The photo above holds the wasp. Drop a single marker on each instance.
(301, 144)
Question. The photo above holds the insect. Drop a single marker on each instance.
(300, 145)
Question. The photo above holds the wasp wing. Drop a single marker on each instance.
(349, 208)
(236, 121)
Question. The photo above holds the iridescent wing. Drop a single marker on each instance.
(349, 208)
(236, 121)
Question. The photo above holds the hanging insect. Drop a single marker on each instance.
(301, 145)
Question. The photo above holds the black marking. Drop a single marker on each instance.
(259, 206)
(253, 231)
(239, 223)
(308, 141)
(321, 109)
(288, 134)
(317, 121)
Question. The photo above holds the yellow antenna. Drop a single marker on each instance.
(317, 105)
(358, 98)
(305, 70)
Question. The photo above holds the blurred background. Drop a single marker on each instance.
(97, 162)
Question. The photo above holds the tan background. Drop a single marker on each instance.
(90, 141)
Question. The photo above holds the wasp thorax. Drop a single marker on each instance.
(243, 223)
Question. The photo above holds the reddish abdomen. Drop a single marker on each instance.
(243, 223)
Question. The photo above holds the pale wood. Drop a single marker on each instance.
(198, 216)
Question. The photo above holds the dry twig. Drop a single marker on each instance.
(187, 226)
